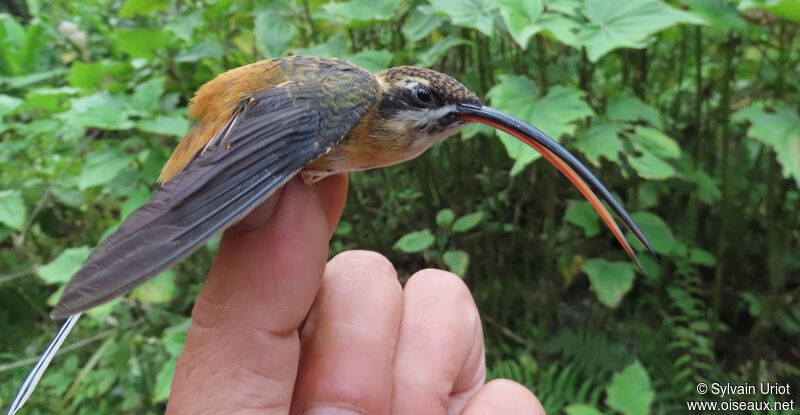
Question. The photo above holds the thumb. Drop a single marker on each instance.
(242, 347)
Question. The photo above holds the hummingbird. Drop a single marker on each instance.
(258, 126)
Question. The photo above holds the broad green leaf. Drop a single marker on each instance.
(650, 166)
(552, 114)
(720, 14)
(356, 13)
(274, 35)
(582, 214)
(413, 242)
(567, 7)
(86, 75)
(754, 306)
(344, 228)
(164, 381)
(475, 14)
(175, 337)
(560, 28)
(477, 128)
(653, 148)
(165, 125)
(630, 391)
(445, 218)
(93, 75)
(5, 232)
(33, 78)
(788, 9)
(779, 129)
(655, 142)
(515, 95)
(147, 94)
(701, 256)
(135, 199)
(8, 104)
(334, 46)
(49, 99)
(110, 118)
(630, 108)
(467, 222)
(140, 43)
(650, 267)
(707, 188)
(34, 7)
(656, 231)
(429, 56)
(12, 209)
(372, 60)
(457, 262)
(102, 166)
(183, 25)
(514, 91)
(581, 409)
(602, 139)
(207, 49)
(520, 17)
(14, 33)
(610, 280)
(62, 268)
(421, 22)
(626, 23)
(99, 313)
(141, 7)
(160, 289)
(68, 196)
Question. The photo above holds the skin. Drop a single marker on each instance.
(276, 330)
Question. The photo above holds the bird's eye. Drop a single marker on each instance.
(422, 95)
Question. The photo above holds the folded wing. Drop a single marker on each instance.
(274, 134)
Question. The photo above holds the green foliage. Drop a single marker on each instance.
(630, 391)
(610, 280)
(625, 23)
(12, 209)
(414, 242)
(686, 109)
(455, 260)
(780, 130)
(61, 269)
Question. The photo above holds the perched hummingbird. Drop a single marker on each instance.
(258, 126)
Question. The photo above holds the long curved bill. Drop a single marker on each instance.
(576, 172)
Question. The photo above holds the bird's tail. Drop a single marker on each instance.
(36, 373)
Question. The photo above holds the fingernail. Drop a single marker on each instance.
(331, 410)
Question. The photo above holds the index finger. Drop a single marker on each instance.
(242, 348)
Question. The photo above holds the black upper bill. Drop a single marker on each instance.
(490, 116)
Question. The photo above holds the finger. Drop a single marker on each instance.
(440, 361)
(242, 347)
(349, 338)
(333, 194)
(502, 396)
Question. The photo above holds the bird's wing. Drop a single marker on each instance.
(270, 138)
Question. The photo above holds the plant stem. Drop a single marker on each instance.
(726, 145)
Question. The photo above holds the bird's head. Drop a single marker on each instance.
(421, 104)
(426, 106)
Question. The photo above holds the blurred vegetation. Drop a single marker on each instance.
(687, 109)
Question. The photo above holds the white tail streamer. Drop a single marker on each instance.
(36, 373)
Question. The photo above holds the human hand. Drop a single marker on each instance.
(275, 330)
